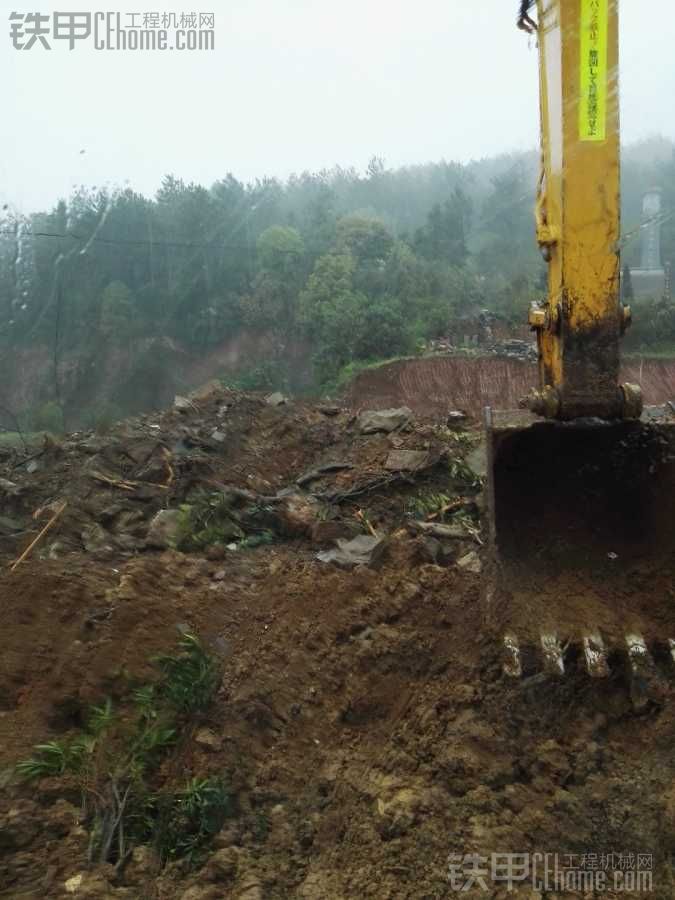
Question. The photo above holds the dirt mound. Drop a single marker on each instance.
(437, 384)
(362, 722)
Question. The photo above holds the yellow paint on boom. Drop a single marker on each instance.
(593, 80)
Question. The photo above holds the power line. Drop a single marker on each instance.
(131, 242)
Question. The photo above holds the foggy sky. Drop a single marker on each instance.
(293, 85)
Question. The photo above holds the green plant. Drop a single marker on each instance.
(187, 820)
(428, 504)
(461, 471)
(191, 677)
(207, 520)
(114, 758)
(52, 758)
(257, 540)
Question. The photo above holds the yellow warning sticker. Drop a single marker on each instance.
(593, 100)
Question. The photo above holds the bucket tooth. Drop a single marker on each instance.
(595, 655)
(553, 654)
(512, 665)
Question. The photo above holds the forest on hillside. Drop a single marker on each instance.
(348, 266)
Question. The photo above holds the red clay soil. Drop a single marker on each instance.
(436, 384)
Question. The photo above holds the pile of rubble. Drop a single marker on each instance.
(225, 470)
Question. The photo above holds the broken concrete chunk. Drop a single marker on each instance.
(359, 551)
(164, 529)
(373, 420)
(406, 460)
(276, 399)
(470, 563)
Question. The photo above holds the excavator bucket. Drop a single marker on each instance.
(582, 530)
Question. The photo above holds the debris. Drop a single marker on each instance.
(164, 529)
(407, 460)
(182, 404)
(452, 531)
(37, 540)
(326, 532)
(208, 739)
(456, 418)
(276, 399)
(96, 539)
(313, 474)
(476, 460)
(385, 420)
(358, 551)
(297, 514)
(9, 488)
(470, 563)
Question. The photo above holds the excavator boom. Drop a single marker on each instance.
(578, 214)
(581, 479)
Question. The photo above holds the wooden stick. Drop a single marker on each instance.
(39, 537)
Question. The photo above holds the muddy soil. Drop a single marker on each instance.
(363, 721)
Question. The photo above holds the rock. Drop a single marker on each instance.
(451, 531)
(329, 410)
(201, 892)
(9, 526)
(348, 554)
(276, 399)
(250, 889)
(386, 420)
(326, 532)
(398, 812)
(72, 885)
(19, 826)
(217, 436)
(470, 563)
(406, 460)
(182, 403)
(143, 862)
(96, 539)
(163, 531)
(456, 417)
(9, 488)
(223, 864)
(208, 739)
(297, 514)
(476, 460)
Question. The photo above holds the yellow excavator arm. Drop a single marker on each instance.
(578, 214)
(581, 480)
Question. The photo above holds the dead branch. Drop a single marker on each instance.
(37, 540)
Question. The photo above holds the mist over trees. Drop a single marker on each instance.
(332, 268)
